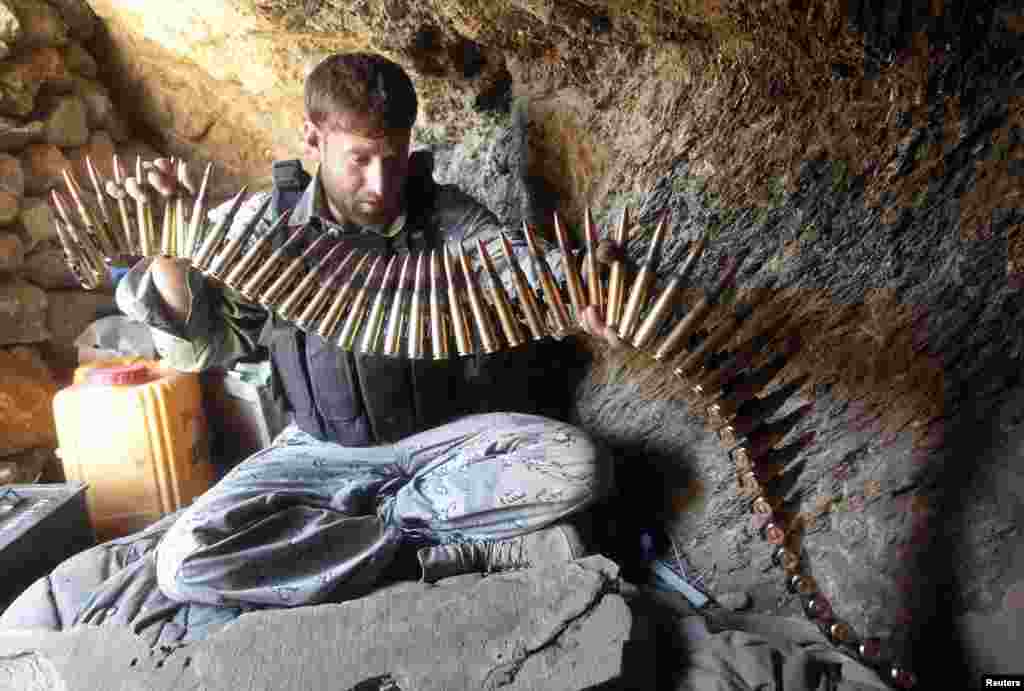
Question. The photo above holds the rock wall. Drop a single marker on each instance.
(54, 112)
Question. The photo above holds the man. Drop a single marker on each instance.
(383, 451)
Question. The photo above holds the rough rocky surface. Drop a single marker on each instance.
(22, 313)
(47, 269)
(15, 135)
(42, 164)
(26, 395)
(67, 125)
(12, 253)
(25, 467)
(41, 23)
(559, 628)
(69, 312)
(36, 222)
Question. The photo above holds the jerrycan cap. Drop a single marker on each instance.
(123, 375)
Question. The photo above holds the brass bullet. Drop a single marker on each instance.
(754, 450)
(709, 380)
(765, 505)
(252, 287)
(499, 298)
(357, 311)
(397, 317)
(417, 323)
(339, 303)
(577, 298)
(198, 217)
(109, 222)
(180, 217)
(644, 281)
(839, 632)
(748, 384)
(595, 292)
(130, 236)
(695, 362)
(375, 320)
(801, 584)
(557, 311)
(76, 259)
(275, 292)
(786, 559)
(97, 230)
(290, 307)
(212, 241)
(222, 263)
(753, 411)
(235, 278)
(617, 275)
(665, 302)
(460, 323)
(147, 241)
(438, 325)
(527, 299)
(774, 532)
(168, 241)
(481, 318)
(89, 251)
(693, 319)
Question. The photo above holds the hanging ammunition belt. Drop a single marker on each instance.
(431, 304)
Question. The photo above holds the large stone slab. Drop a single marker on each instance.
(41, 23)
(22, 313)
(26, 402)
(99, 106)
(36, 221)
(12, 253)
(78, 16)
(47, 269)
(67, 124)
(45, 65)
(42, 164)
(15, 135)
(79, 60)
(10, 205)
(10, 26)
(12, 178)
(561, 628)
(17, 91)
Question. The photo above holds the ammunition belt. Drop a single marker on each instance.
(432, 305)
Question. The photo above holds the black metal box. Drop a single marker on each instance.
(43, 526)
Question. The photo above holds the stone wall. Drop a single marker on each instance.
(54, 112)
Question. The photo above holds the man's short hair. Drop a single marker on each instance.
(361, 85)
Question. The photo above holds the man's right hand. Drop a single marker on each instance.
(170, 278)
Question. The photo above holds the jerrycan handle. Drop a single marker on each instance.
(123, 375)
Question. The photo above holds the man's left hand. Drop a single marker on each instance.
(593, 324)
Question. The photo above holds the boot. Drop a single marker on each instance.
(554, 544)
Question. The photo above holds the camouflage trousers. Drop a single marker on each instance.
(305, 521)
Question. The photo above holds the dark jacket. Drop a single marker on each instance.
(355, 399)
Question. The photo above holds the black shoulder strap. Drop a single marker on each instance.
(421, 198)
(290, 181)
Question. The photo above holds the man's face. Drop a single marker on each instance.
(363, 171)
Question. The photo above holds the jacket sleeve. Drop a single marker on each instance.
(220, 327)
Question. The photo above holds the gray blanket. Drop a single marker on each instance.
(114, 585)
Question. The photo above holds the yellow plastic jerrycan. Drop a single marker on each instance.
(136, 434)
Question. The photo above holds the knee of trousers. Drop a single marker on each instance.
(590, 458)
(171, 555)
